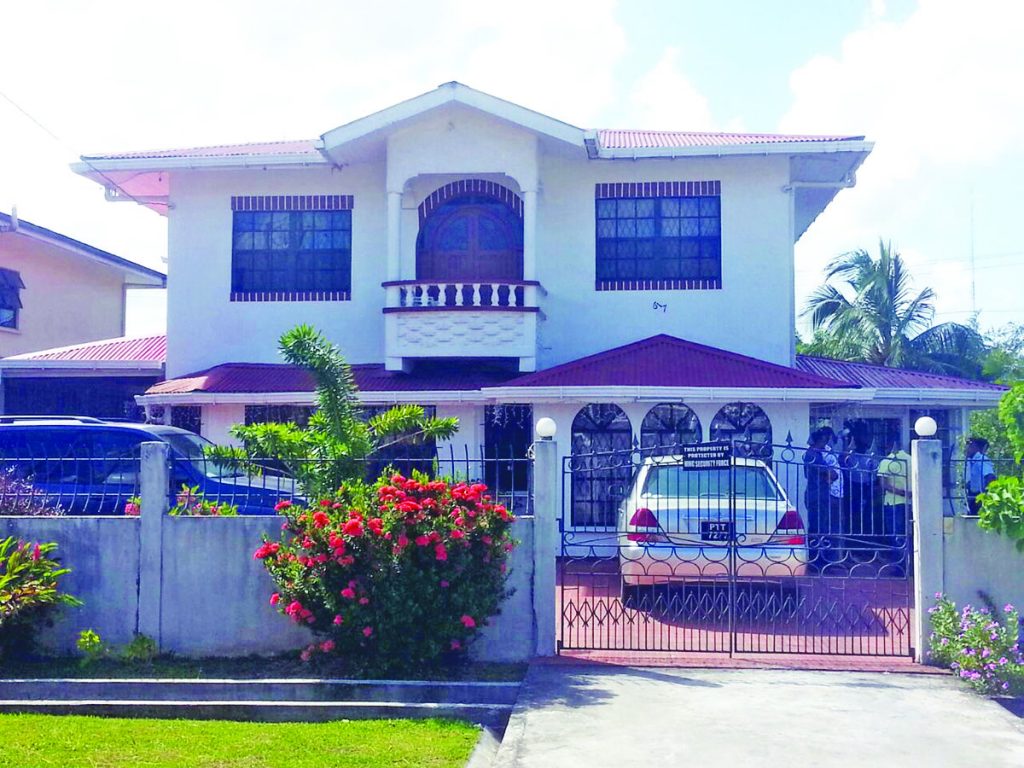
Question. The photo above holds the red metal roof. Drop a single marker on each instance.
(883, 377)
(612, 138)
(665, 361)
(260, 378)
(149, 349)
(253, 149)
(608, 138)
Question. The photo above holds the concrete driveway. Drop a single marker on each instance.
(625, 716)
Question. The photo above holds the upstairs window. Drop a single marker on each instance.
(665, 235)
(10, 298)
(291, 248)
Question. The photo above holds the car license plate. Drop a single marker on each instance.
(717, 530)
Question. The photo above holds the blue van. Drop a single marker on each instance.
(91, 467)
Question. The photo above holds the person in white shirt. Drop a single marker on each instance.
(978, 472)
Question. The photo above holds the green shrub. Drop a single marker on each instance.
(28, 590)
(391, 577)
(91, 646)
(191, 503)
(982, 646)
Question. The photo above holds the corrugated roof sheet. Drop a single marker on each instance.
(666, 361)
(149, 349)
(614, 138)
(883, 377)
(258, 378)
(254, 149)
(609, 138)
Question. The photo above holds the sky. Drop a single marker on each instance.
(935, 84)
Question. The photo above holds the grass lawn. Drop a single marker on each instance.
(244, 668)
(37, 741)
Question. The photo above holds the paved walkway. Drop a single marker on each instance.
(626, 716)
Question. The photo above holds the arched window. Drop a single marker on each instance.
(602, 441)
(666, 426)
(746, 426)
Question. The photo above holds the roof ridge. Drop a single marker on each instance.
(230, 145)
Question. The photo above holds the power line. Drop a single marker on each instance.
(70, 149)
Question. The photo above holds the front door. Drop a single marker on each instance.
(471, 239)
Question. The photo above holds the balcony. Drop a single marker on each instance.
(452, 319)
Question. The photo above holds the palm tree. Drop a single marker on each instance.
(867, 311)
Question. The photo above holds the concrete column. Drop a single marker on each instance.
(926, 487)
(394, 262)
(154, 485)
(529, 197)
(546, 498)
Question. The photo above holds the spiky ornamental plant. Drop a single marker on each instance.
(336, 444)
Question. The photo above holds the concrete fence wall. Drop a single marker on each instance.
(192, 584)
(976, 561)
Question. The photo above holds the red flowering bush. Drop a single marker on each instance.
(398, 575)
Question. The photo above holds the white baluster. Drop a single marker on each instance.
(475, 300)
(458, 295)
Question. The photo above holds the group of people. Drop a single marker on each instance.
(856, 500)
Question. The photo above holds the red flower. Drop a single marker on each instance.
(457, 534)
(338, 620)
(364, 601)
(353, 528)
(440, 552)
(281, 506)
(275, 599)
(327, 646)
(367, 631)
(444, 584)
(486, 540)
(320, 519)
(422, 541)
(403, 541)
(435, 536)
(467, 621)
(348, 593)
(376, 525)
(325, 502)
(456, 645)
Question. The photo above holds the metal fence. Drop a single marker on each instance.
(773, 549)
(251, 485)
(965, 478)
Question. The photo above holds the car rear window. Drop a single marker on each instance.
(673, 481)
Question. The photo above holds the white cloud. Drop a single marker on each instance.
(663, 98)
(940, 95)
(126, 75)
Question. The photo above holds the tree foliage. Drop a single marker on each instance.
(868, 311)
(1002, 504)
(334, 446)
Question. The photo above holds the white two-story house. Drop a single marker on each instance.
(499, 265)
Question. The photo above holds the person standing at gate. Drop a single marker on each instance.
(819, 502)
(978, 472)
(892, 474)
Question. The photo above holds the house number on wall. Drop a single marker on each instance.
(658, 305)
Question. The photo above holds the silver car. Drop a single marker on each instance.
(685, 524)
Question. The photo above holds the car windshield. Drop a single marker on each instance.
(673, 481)
(194, 448)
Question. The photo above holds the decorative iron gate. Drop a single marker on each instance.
(736, 548)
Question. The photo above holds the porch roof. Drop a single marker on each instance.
(667, 361)
(884, 377)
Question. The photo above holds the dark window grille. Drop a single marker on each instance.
(293, 251)
(11, 286)
(278, 414)
(188, 417)
(667, 426)
(659, 238)
(743, 424)
(602, 439)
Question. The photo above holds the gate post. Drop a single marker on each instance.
(926, 489)
(154, 486)
(546, 506)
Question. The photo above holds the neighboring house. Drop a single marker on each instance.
(499, 265)
(100, 378)
(56, 291)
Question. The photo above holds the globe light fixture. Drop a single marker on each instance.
(926, 427)
(546, 428)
